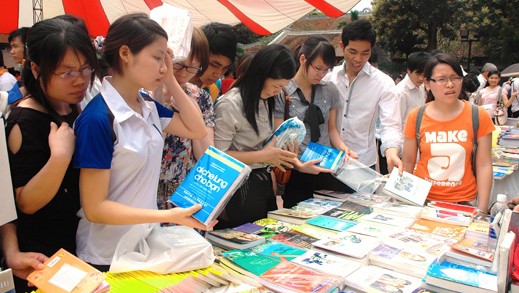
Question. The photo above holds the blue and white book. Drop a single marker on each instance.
(330, 157)
(331, 223)
(288, 131)
(211, 183)
(461, 278)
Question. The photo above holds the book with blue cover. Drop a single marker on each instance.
(460, 278)
(290, 130)
(330, 157)
(331, 223)
(211, 183)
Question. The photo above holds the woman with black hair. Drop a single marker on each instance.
(315, 104)
(244, 120)
(60, 60)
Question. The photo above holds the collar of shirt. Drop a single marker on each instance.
(118, 105)
(409, 83)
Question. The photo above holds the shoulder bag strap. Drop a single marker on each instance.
(418, 124)
(475, 128)
(287, 104)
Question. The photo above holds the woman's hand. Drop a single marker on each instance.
(278, 157)
(311, 167)
(24, 263)
(184, 216)
(61, 141)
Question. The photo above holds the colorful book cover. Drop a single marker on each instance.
(64, 272)
(368, 199)
(412, 239)
(345, 214)
(319, 204)
(355, 207)
(376, 279)
(295, 239)
(290, 277)
(272, 227)
(401, 259)
(330, 157)
(399, 209)
(314, 231)
(351, 244)
(327, 263)
(466, 209)
(211, 183)
(388, 219)
(375, 229)
(253, 262)
(446, 216)
(407, 188)
(249, 228)
(235, 236)
(278, 250)
(459, 274)
(288, 131)
(475, 248)
(450, 231)
(331, 223)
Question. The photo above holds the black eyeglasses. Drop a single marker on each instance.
(190, 69)
(444, 80)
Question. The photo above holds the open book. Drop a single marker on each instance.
(407, 188)
(211, 183)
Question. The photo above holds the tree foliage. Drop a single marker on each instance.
(404, 26)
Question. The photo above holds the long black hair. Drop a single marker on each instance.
(273, 61)
(47, 44)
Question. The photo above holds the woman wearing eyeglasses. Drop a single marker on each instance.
(60, 60)
(180, 154)
(447, 139)
(315, 104)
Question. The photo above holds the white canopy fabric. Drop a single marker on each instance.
(261, 16)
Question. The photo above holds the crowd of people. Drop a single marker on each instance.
(98, 145)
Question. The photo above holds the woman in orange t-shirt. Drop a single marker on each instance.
(447, 139)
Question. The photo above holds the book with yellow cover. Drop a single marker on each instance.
(64, 272)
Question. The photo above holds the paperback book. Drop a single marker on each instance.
(376, 279)
(292, 216)
(449, 231)
(291, 277)
(327, 263)
(290, 130)
(412, 239)
(446, 216)
(314, 231)
(351, 244)
(475, 249)
(252, 262)
(277, 250)
(461, 278)
(331, 223)
(64, 272)
(331, 195)
(232, 239)
(319, 204)
(389, 220)
(330, 157)
(407, 188)
(6, 281)
(401, 259)
(465, 209)
(211, 183)
(398, 209)
(294, 239)
(375, 229)
(506, 261)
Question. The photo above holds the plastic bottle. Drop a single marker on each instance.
(496, 212)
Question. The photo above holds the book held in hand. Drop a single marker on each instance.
(330, 157)
(407, 188)
(64, 272)
(211, 183)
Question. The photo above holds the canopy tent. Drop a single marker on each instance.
(511, 71)
(261, 16)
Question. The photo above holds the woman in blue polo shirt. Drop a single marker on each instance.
(120, 140)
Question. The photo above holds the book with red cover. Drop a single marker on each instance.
(465, 209)
(290, 277)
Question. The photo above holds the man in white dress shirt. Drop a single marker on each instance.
(482, 77)
(411, 91)
(368, 94)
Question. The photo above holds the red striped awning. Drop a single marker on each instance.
(261, 16)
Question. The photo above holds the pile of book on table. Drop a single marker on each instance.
(370, 243)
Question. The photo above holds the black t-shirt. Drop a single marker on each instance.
(53, 226)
